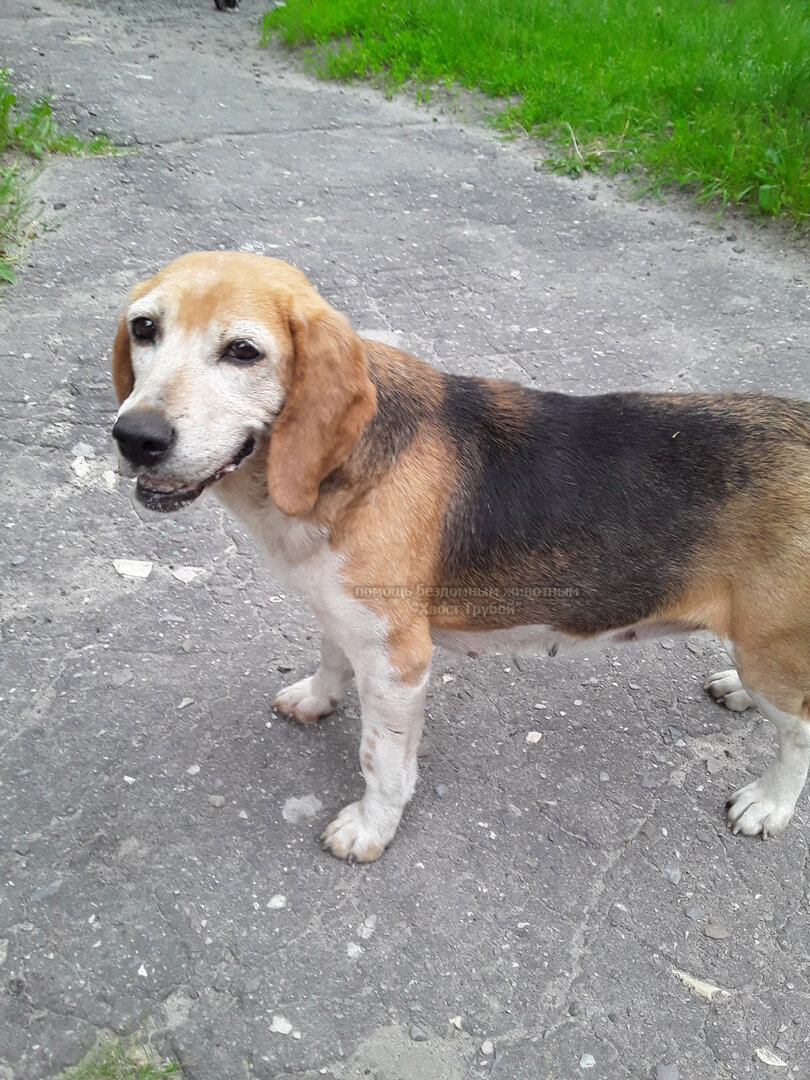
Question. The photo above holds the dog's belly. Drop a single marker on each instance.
(541, 640)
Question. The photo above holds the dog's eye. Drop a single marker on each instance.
(144, 329)
(242, 351)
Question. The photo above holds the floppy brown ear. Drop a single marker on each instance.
(122, 373)
(330, 399)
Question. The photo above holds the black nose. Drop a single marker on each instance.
(144, 436)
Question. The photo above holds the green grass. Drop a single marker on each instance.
(28, 132)
(116, 1059)
(713, 95)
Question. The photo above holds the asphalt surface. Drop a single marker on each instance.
(540, 897)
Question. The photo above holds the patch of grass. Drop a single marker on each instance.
(28, 131)
(707, 94)
(117, 1059)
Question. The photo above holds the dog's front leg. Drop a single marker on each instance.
(318, 695)
(392, 700)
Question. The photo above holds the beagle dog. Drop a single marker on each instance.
(414, 508)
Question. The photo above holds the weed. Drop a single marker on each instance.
(27, 133)
(117, 1059)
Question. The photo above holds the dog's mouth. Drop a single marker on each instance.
(164, 495)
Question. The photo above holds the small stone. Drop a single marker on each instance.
(768, 1057)
(604, 777)
(129, 779)
(132, 568)
(455, 1021)
(731, 237)
(587, 1061)
(417, 1034)
(4, 953)
(716, 931)
(80, 467)
(368, 927)
(280, 1025)
(667, 1072)
(714, 766)
(59, 205)
(440, 790)
(217, 800)
(533, 737)
(694, 912)
(487, 1047)
(634, 686)
(192, 770)
(592, 196)
(353, 950)
(186, 645)
(121, 678)
(739, 248)
(613, 1017)
(667, 643)
(573, 1008)
(672, 874)
(144, 974)
(243, 815)
(277, 902)
(186, 574)
(694, 649)
(649, 784)
(184, 704)
(17, 560)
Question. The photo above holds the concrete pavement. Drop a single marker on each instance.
(539, 900)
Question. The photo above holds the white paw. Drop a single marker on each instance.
(358, 835)
(762, 808)
(725, 687)
(305, 701)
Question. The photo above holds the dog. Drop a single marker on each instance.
(415, 508)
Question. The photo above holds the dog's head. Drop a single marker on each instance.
(219, 351)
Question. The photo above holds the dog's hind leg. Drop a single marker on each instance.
(773, 681)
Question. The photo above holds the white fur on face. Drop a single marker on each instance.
(213, 404)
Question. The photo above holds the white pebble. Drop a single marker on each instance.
(186, 574)
(277, 902)
(281, 1025)
(132, 568)
(368, 927)
(533, 737)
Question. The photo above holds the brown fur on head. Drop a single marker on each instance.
(330, 399)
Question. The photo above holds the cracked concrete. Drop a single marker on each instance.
(524, 901)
